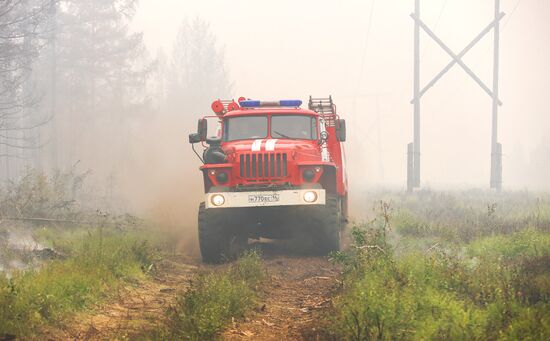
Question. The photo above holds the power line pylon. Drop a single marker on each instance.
(413, 149)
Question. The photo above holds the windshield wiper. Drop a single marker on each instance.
(282, 135)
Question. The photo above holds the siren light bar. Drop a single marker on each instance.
(282, 103)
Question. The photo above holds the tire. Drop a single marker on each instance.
(328, 221)
(219, 239)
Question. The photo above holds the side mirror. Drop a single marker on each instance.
(341, 130)
(202, 128)
(200, 135)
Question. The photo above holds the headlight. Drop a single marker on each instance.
(222, 177)
(310, 197)
(217, 200)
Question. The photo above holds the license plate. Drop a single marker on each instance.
(259, 198)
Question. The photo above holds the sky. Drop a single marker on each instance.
(361, 52)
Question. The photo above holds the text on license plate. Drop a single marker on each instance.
(258, 198)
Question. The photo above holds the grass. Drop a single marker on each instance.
(92, 264)
(466, 216)
(527, 243)
(491, 282)
(95, 265)
(213, 300)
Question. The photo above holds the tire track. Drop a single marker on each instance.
(294, 303)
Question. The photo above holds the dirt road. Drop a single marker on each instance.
(296, 295)
(135, 309)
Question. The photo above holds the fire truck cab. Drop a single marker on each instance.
(274, 170)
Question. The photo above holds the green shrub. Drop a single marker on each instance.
(213, 299)
(499, 288)
(527, 243)
(532, 323)
(405, 299)
(375, 306)
(441, 316)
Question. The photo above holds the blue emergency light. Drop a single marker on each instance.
(282, 103)
(249, 103)
(290, 102)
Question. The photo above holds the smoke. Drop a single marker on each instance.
(160, 180)
(19, 250)
(283, 57)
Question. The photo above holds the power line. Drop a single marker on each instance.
(505, 23)
(436, 24)
(440, 14)
(511, 14)
(364, 54)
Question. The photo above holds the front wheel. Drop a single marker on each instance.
(327, 226)
(219, 239)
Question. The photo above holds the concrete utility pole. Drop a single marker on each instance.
(416, 142)
(496, 148)
(413, 149)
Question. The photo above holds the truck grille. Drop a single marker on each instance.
(258, 166)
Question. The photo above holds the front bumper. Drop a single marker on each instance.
(294, 197)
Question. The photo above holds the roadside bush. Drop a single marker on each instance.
(35, 194)
(497, 288)
(214, 299)
(530, 324)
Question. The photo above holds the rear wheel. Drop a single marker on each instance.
(219, 239)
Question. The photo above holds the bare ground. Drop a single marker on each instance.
(298, 296)
(135, 309)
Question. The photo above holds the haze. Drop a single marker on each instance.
(290, 49)
(155, 67)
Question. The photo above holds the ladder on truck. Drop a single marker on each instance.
(325, 107)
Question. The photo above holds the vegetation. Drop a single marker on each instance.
(36, 194)
(436, 281)
(464, 216)
(213, 300)
(431, 266)
(61, 267)
(94, 267)
(86, 264)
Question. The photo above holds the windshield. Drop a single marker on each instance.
(282, 126)
(294, 127)
(245, 128)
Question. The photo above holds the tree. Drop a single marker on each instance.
(198, 68)
(99, 71)
(22, 30)
(72, 75)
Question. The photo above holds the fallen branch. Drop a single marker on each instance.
(317, 277)
(371, 247)
(48, 220)
(433, 247)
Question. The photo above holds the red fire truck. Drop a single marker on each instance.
(274, 170)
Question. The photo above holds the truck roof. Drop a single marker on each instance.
(271, 110)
